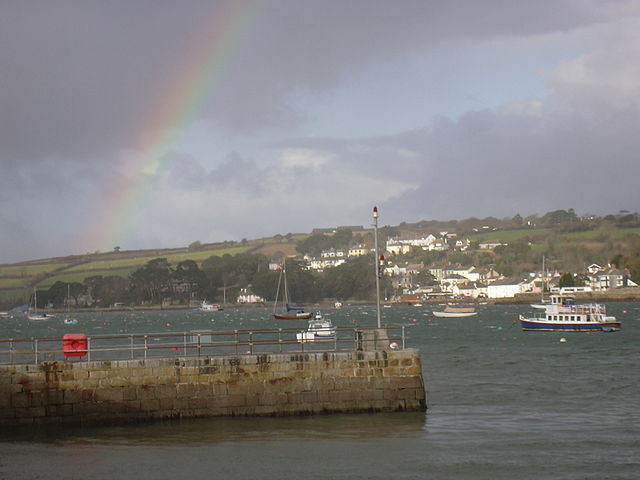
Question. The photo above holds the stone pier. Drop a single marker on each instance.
(122, 391)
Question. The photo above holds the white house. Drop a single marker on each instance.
(610, 278)
(489, 245)
(397, 247)
(505, 288)
(357, 251)
(395, 270)
(248, 297)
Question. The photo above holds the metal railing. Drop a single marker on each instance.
(195, 343)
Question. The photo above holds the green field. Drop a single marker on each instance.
(81, 276)
(12, 282)
(24, 270)
(11, 296)
(15, 280)
(136, 262)
(539, 235)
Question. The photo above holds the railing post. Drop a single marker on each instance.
(145, 347)
(235, 332)
(184, 343)
(88, 349)
(11, 351)
(280, 340)
(402, 337)
(199, 345)
(35, 350)
(131, 345)
(251, 343)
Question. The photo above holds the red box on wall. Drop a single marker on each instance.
(74, 345)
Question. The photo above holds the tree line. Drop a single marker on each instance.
(159, 282)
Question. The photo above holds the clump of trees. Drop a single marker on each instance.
(159, 282)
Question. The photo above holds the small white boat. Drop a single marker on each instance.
(39, 316)
(69, 320)
(34, 314)
(456, 312)
(318, 329)
(539, 306)
(209, 307)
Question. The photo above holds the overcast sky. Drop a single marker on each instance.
(146, 123)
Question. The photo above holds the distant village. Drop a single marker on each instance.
(467, 282)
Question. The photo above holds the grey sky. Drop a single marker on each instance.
(312, 112)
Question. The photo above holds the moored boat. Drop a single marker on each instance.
(34, 314)
(208, 307)
(289, 313)
(455, 312)
(564, 315)
(319, 329)
(292, 314)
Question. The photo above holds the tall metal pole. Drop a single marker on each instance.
(377, 263)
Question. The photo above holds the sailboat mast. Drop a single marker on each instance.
(286, 289)
(544, 281)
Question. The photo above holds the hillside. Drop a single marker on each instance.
(17, 280)
(568, 243)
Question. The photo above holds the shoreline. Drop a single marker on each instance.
(619, 295)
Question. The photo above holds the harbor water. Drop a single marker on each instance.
(502, 404)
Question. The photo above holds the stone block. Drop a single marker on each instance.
(87, 396)
(198, 403)
(21, 400)
(407, 382)
(149, 405)
(64, 410)
(109, 395)
(185, 390)
(71, 396)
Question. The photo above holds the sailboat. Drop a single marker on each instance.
(289, 313)
(69, 320)
(543, 301)
(34, 314)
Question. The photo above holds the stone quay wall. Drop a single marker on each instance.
(262, 385)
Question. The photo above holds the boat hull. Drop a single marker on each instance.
(293, 316)
(454, 314)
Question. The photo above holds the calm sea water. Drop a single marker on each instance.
(503, 404)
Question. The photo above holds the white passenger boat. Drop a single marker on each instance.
(564, 315)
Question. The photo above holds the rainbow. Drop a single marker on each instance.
(180, 104)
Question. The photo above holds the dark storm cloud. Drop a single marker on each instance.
(81, 79)
(82, 84)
